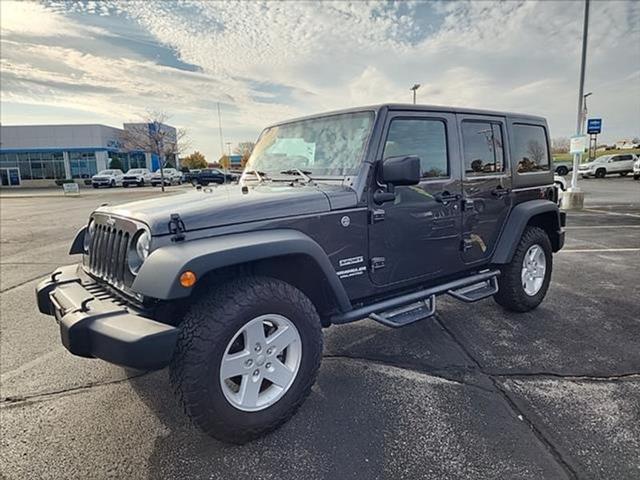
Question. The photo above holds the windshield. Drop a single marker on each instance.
(135, 170)
(324, 146)
(107, 172)
(602, 159)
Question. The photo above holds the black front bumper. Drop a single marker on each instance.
(103, 327)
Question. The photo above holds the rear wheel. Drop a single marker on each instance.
(141, 183)
(636, 177)
(600, 173)
(523, 283)
(247, 356)
(624, 174)
(112, 184)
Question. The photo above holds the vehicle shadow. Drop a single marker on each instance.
(326, 436)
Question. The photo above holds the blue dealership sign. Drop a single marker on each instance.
(594, 125)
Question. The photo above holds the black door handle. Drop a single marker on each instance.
(446, 197)
(500, 191)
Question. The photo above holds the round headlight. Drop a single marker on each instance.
(88, 235)
(139, 251)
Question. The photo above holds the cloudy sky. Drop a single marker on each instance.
(109, 62)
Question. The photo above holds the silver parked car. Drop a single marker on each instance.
(171, 177)
(107, 178)
(621, 164)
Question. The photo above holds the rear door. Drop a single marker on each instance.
(417, 236)
(486, 184)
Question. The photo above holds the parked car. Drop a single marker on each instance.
(189, 177)
(636, 169)
(562, 168)
(214, 175)
(137, 176)
(561, 185)
(351, 215)
(107, 178)
(621, 164)
(171, 177)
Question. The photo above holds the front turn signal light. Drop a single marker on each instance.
(188, 279)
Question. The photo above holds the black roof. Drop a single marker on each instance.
(418, 108)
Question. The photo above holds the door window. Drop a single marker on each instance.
(483, 148)
(425, 138)
(530, 148)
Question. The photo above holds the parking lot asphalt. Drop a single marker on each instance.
(474, 392)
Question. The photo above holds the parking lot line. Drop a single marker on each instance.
(585, 250)
(608, 227)
(634, 215)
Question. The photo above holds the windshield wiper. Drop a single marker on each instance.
(304, 174)
(261, 175)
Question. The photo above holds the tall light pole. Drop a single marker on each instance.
(575, 198)
(584, 109)
(414, 88)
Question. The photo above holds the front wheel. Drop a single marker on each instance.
(523, 283)
(600, 173)
(247, 355)
(636, 177)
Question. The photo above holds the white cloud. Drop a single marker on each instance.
(266, 61)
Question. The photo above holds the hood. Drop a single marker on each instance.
(222, 205)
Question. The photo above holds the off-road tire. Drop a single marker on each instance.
(600, 173)
(205, 332)
(511, 294)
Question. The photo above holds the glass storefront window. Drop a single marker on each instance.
(83, 164)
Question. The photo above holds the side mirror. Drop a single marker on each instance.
(402, 170)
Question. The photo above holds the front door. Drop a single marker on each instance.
(486, 185)
(417, 236)
(10, 177)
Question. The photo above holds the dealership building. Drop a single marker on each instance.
(38, 155)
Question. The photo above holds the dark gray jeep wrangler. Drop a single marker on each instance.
(364, 213)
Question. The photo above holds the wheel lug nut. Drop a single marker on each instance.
(268, 365)
(258, 347)
(270, 351)
(248, 363)
(256, 373)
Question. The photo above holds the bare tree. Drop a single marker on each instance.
(154, 135)
(536, 150)
(560, 145)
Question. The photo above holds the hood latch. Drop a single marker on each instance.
(177, 228)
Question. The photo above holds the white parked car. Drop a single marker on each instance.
(137, 176)
(561, 185)
(621, 164)
(636, 169)
(171, 177)
(107, 178)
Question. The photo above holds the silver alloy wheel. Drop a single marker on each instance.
(534, 268)
(260, 362)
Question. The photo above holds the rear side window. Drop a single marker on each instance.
(530, 148)
(483, 148)
(425, 138)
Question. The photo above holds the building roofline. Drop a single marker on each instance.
(61, 125)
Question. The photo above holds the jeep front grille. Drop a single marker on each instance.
(107, 259)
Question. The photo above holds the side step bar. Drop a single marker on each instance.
(409, 308)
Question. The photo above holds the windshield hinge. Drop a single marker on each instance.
(376, 215)
(177, 228)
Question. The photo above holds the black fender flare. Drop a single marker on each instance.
(519, 218)
(159, 275)
(77, 246)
